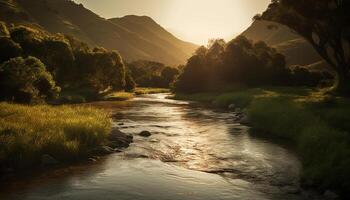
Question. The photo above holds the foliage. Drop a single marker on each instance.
(239, 62)
(26, 80)
(64, 132)
(73, 64)
(152, 74)
(325, 25)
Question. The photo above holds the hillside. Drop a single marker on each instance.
(133, 36)
(295, 48)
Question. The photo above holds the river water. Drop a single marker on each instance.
(194, 153)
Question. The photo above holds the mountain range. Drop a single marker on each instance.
(135, 37)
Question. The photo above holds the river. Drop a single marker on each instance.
(194, 153)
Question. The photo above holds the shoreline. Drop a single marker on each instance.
(281, 124)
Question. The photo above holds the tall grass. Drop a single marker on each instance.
(317, 125)
(64, 132)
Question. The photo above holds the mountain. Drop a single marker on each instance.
(296, 50)
(135, 37)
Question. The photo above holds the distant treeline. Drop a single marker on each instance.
(152, 74)
(241, 62)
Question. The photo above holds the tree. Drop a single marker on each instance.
(325, 24)
(26, 81)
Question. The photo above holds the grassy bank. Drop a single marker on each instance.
(318, 125)
(63, 132)
(122, 96)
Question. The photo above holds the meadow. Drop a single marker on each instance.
(67, 133)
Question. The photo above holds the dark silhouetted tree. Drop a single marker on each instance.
(325, 24)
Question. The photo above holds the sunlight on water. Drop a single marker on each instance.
(193, 153)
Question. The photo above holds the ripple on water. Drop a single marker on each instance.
(193, 153)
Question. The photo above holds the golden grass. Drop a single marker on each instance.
(64, 132)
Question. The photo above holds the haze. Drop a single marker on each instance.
(196, 21)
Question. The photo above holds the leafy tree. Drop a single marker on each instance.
(325, 24)
(26, 81)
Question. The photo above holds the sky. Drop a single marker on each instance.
(196, 21)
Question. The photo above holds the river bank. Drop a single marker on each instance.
(316, 124)
(43, 135)
(38, 135)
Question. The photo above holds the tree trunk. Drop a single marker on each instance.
(342, 84)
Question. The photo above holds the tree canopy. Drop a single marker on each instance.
(239, 62)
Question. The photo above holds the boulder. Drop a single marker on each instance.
(145, 134)
(48, 160)
(119, 139)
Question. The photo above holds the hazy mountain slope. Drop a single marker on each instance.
(67, 17)
(295, 48)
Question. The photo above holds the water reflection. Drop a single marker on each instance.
(193, 153)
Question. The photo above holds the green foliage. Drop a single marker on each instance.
(64, 132)
(73, 65)
(26, 80)
(239, 62)
(152, 74)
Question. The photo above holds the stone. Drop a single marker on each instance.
(145, 134)
(119, 139)
(48, 160)
(232, 106)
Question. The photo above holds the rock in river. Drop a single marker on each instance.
(145, 134)
(119, 139)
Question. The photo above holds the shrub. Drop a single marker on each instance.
(26, 81)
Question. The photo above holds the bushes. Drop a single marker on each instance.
(64, 132)
(26, 81)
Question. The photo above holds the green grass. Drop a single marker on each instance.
(317, 124)
(64, 132)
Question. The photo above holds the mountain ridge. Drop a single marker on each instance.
(68, 17)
